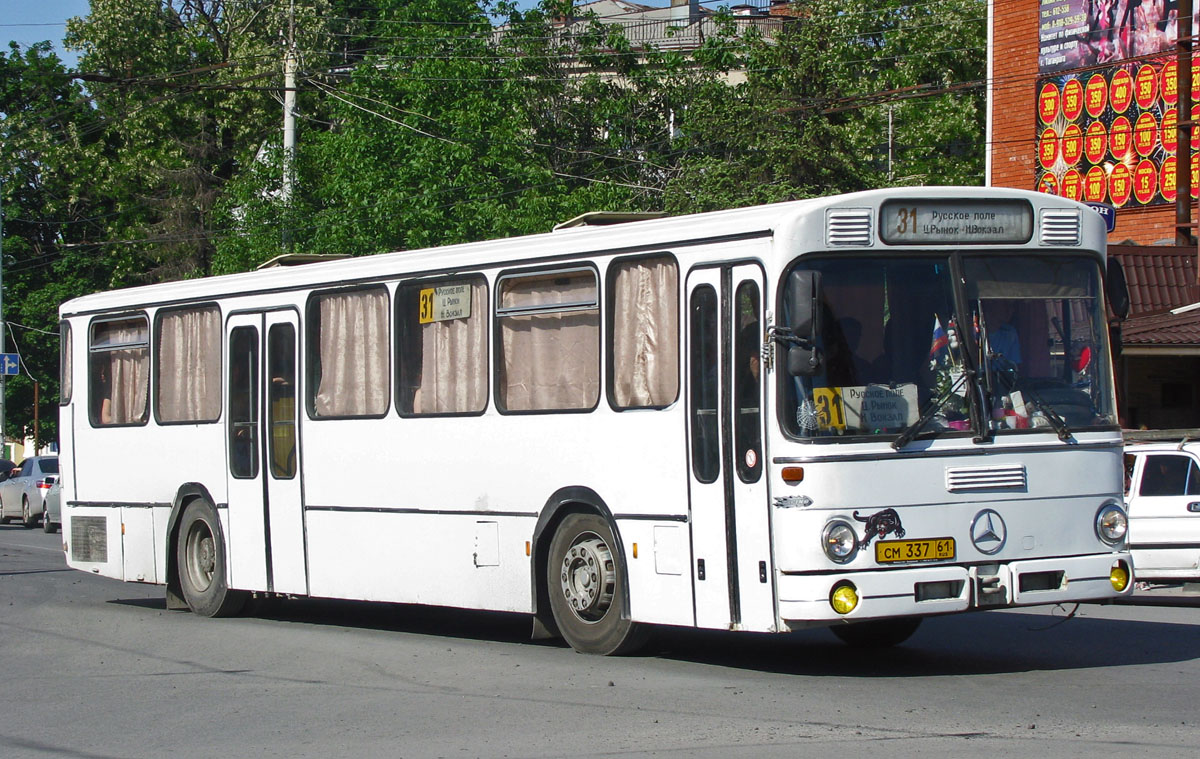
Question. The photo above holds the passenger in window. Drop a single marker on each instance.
(1003, 339)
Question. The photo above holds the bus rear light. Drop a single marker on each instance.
(793, 474)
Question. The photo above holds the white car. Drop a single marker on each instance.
(23, 495)
(1163, 500)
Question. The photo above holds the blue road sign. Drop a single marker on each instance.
(11, 363)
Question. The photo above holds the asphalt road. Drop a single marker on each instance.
(91, 667)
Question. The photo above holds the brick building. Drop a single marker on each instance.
(1084, 102)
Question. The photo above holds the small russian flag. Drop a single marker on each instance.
(940, 338)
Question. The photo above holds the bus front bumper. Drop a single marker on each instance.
(908, 591)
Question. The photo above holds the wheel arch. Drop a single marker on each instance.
(188, 492)
(575, 499)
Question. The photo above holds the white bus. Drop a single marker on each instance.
(851, 411)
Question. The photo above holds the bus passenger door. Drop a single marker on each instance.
(243, 447)
(285, 507)
(266, 529)
(731, 562)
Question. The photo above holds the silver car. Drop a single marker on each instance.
(22, 496)
(52, 513)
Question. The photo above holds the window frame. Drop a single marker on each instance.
(499, 313)
(609, 318)
(400, 332)
(156, 364)
(312, 349)
(66, 363)
(92, 351)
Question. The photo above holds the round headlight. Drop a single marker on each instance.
(1111, 523)
(839, 541)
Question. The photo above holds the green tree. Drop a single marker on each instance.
(54, 221)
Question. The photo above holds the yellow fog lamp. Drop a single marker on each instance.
(1119, 576)
(844, 598)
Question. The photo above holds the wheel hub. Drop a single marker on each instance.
(588, 577)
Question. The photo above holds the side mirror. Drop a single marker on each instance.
(804, 317)
(1116, 287)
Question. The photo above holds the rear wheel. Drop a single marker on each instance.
(28, 520)
(586, 581)
(200, 556)
(877, 633)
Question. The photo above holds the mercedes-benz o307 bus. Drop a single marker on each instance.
(851, 411)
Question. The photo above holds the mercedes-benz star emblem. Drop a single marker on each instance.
(988, 532)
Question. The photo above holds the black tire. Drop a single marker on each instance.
(877, 633)
(28, 520)
(200, 560)
(586, 580)
(47, 525)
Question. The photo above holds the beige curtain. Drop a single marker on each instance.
(189, 366)
(645, 335)
(454, 362)
(353, 354)
(129, 369)
(551, 361)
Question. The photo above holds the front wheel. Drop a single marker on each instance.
(877, 633)
(47, 525)
(587, 583)
(200, 556)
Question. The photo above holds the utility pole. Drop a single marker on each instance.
(289, 125)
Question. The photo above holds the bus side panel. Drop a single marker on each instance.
(386, 528)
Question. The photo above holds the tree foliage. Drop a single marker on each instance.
(440, 121)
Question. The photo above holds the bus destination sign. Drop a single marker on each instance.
(955, 222)
(441, 304)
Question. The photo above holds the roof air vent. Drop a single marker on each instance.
(848, 226)
(1060, 227)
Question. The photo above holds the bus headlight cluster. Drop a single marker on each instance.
(1111, 523)
(840, 541)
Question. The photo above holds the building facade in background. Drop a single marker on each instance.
(1084, 103)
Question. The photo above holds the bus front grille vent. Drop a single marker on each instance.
(848, 226)
(959, 479)
(1060, 227)
(89, 539)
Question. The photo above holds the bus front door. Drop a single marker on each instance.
(266, 521)
(731, 546)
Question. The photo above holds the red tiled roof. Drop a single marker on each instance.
(1160, 277)
(1162, 329)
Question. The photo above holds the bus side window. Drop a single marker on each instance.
(441, 347)
(643, 332)
(118, 372)
(64, 363)
(187, 365)
(549, 330)
(348, 353)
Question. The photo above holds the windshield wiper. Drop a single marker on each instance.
(914, 429)
(1057, 422)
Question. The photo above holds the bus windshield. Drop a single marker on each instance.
(906, 348)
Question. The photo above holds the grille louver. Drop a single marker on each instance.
(1060, 227)
(986, 478)
(848, 226)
